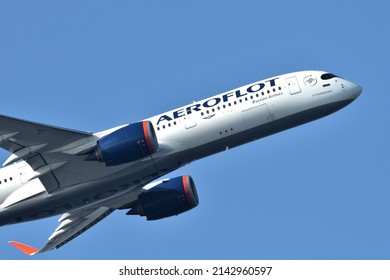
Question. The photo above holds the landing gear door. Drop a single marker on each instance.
(293, 85)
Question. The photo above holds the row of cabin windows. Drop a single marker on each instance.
(5, 180)
(257, 95)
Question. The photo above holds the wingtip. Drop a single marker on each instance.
(28, 250)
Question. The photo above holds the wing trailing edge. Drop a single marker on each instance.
(71, 226)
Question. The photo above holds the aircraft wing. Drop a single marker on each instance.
(56, 155)
(23, 138)
(72, 224)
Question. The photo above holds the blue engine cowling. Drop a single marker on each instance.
(169, 198)
(127, 144)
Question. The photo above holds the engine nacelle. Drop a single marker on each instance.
(127, 144)
(169, 198)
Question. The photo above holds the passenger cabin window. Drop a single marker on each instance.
(328, 76)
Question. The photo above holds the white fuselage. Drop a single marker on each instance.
(185, 134)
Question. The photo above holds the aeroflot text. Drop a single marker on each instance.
(209, 103)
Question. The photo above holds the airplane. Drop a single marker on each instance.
(86, 176)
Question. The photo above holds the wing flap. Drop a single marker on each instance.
(71, 225)
(82, 224)
(23, 153)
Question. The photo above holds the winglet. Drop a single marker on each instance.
(28, 250)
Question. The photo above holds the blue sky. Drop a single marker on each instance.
(319, 191)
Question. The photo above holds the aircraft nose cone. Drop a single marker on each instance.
(357, 90)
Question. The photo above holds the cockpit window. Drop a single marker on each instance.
(328, 76)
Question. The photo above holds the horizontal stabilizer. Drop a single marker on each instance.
(28, 250)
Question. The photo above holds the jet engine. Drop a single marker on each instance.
(127, 144)
(169, 198)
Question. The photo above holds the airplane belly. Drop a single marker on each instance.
(40, 204)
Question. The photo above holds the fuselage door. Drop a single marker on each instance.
(24, 172)
(189, 121)
(293, 85)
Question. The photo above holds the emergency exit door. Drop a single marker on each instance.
(293, 85)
